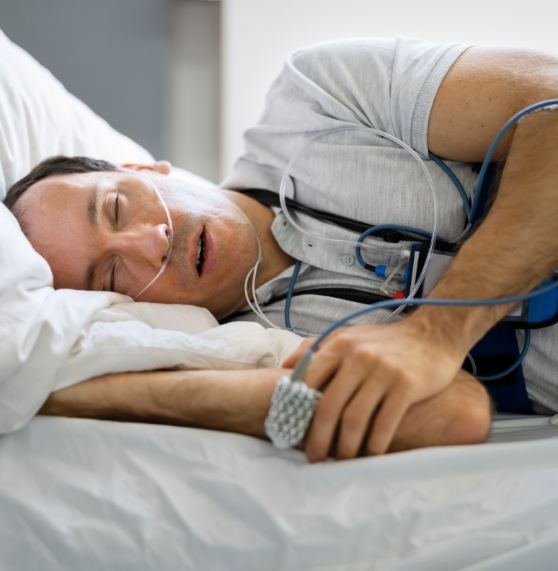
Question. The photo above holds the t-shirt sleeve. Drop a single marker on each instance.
(387, 84)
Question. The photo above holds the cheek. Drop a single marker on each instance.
(66, 258)
(240, 250)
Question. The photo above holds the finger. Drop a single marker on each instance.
(328, 359)
(358, 413)
(293, 358)
(330, 408)
(387, 421)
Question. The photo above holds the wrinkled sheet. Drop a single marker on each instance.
(80, 494)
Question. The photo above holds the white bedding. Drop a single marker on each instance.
(89, 495)
(84, 495)
(52, 339)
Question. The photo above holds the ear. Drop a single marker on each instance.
(161, 167)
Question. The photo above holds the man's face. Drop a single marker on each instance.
(109, 231)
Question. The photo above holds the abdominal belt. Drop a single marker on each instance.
(495, 352)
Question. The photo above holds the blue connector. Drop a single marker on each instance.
(385, 271)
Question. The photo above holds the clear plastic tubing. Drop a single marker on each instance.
(354, 243)
(150, 183)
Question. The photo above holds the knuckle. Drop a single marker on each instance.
(383, 363)
(363, 353)
(408, 384)
(343, 340)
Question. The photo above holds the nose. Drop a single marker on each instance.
(147, 245)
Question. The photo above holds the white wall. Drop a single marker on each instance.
(256, 34)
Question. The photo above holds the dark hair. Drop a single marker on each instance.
(51, 167)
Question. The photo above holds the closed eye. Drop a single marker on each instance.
(116, 210)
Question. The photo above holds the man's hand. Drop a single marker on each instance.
(373, 374)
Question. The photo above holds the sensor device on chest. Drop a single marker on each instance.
(531, 313)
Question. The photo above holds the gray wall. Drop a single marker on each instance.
(112, 54)
(194, 128)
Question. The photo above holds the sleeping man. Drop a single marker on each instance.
(385, 386)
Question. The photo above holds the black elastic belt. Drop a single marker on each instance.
(346, 294)
(270, 198)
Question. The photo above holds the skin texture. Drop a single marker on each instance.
(374, 376)
(128, 243)
(238, 401)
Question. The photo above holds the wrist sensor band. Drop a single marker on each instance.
(292, 408)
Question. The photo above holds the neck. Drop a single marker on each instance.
(274, 259)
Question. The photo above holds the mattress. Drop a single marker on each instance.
(81, 494)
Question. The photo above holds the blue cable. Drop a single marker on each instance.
(388, 227)
(290, 294)
(496, 142)
(470, 210)
(459, 302)
(374, 229)
(455, 181)
(305, 360)
(515, 365)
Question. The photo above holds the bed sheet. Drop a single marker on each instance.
(81, 494)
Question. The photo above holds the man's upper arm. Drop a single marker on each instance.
(387, 84)
(484, 88)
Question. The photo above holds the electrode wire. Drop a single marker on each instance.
(252, 273)
(358, 244)
(354, 243)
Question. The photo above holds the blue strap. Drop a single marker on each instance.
(509, 393)
(497, 349)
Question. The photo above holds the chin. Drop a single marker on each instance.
(230, 297)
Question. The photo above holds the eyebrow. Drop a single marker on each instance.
(93, 216)
(92, 209)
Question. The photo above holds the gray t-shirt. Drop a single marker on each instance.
(385, 84)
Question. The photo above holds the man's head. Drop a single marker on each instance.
(102, 227)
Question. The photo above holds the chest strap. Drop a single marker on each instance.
(270, 198)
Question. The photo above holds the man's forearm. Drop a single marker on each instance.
(515, 247)
(238, 401)
(233, 401)
(461, 414)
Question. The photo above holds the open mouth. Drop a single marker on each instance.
(200, 257)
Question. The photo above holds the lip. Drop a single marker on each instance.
(209, 253)
(209, 260)
(194, 254)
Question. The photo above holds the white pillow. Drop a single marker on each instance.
(52, 339)
(39, 118)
